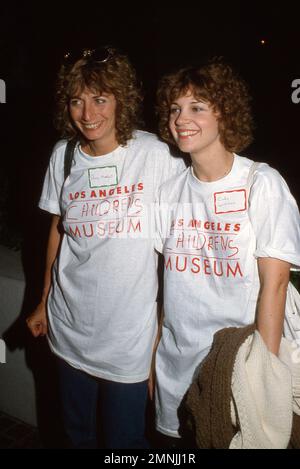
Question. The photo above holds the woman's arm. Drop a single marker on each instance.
(37, 321)
(274, 278)
(152, 379)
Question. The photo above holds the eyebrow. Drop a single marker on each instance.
(99, 95)
(192, 102)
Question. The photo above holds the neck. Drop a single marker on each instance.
(98, 148)
(212, 166)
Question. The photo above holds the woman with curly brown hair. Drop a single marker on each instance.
(101, 298)
(229, 231)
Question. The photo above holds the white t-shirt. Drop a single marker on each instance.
(211, 281)
(102, 302)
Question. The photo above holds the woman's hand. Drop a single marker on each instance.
(37, 321)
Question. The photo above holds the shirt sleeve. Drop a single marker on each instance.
(162, 221)
(274, 217)
(167, 166)
(158, 237)
(50, 197)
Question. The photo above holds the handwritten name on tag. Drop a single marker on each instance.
(103, 177)
(230, 201)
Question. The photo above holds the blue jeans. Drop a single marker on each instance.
(120, 406)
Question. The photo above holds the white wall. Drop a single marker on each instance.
(17, 392)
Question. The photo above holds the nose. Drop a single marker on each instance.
(182, 118)
(87, 112)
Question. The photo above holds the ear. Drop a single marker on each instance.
(218, 115)
(217, 112)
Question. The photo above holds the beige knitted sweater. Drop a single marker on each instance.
(244, 396)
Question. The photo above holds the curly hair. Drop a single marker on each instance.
(217, 84)
(115, 76)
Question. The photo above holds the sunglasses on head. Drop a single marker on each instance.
(99, 55)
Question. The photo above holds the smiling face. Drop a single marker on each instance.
(193, 124)
(94, 114)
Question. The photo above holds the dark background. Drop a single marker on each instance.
(158, 37)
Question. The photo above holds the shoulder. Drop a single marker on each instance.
(170, 189)
(269, 178)
(148, 141)
(264, 174)
(58, 150)
(60, 146)
(268, 184)
(264, 170)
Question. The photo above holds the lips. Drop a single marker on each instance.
(186, 133)
(91, 126)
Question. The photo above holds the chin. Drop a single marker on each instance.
(92, 137)
(185, 147)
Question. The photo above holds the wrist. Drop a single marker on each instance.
(44, 299)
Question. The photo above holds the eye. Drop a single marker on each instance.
(75, 102)
(174, 110)
(198, 108)
(100, 100)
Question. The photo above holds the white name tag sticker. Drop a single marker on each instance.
(230, 201)
(103, 177)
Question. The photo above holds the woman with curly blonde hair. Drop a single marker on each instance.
(228, 230)
(101, 304)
